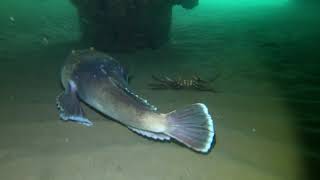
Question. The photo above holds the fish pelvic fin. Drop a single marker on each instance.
(191, 126)
(69, 106)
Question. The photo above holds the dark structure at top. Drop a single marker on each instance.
(121, 25)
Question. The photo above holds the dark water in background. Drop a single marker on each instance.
(265, 40)
(287, 38)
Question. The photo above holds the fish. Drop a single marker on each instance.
(94, 78)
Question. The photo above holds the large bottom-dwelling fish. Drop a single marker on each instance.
(101, 82)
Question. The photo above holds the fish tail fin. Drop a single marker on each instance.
(192, 126)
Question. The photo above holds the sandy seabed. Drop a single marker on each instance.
(255, 135)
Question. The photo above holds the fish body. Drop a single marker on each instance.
(99, 81)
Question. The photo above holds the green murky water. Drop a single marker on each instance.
(265, 110)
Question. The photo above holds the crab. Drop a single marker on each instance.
(195, 83)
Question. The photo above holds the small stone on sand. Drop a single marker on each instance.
(45, 41)
(12, 19)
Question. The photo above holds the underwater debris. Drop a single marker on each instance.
(127, 25)
(66, 140)
(187, 4)
(45, 40)
(12, 19)
(254, 130)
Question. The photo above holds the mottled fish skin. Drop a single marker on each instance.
(102, 83)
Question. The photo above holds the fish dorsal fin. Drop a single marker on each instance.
(156, 136)
(138, 98)
(144, 101)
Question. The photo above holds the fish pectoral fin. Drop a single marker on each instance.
(69, 106)
(149, 134)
